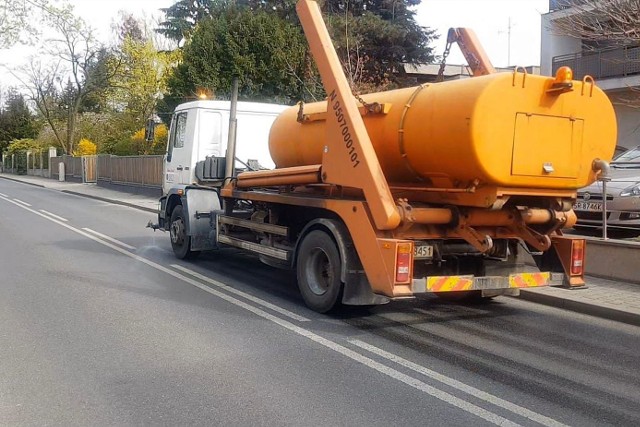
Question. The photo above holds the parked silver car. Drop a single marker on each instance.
(623, 197)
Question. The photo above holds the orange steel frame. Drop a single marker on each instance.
(472, 51)
(377, 221)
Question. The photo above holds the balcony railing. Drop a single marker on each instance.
(602, 64)
(563, 4)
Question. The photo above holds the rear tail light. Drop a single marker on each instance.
(577, 257)
(403, 262)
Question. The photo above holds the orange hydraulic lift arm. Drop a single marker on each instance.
(348, 156)
(472, 50)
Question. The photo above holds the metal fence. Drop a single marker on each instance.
(607, 63)
(73, 168)
(611, 206)
(105, 169)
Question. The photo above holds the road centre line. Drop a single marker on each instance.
(21, 202)
(338, 348)
(53, 215)
(244, 295)
(111, 239)
(460, 386)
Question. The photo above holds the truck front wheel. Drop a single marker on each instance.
(180, 241)
(318, 271)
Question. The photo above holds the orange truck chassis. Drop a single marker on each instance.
(436, 189)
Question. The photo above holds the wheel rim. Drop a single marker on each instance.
(177, 231)
(319, 272)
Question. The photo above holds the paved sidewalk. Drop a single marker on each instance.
(603, 298)
(138, 201)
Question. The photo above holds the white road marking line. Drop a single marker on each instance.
(3, 195)
(406, 379)
(53, 215)
(242, 294)
(111, 239)
(21, 202)
(494, 400)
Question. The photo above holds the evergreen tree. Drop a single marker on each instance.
(16, 120)
(183, 15)
(374, 39)
(265, 52)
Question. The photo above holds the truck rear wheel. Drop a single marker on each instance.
(180, 241)
(318, 271)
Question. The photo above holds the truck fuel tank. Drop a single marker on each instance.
(505, 129)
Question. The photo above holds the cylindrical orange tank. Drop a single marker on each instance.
(503, 129)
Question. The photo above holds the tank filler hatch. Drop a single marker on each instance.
(544, 146)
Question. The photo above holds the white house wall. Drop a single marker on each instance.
(554, 45)
(628, 126)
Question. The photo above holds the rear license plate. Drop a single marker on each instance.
(588, 206)
(422, 251)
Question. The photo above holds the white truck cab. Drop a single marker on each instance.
(200, 129)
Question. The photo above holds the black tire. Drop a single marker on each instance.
(180, 242)
(318, 271)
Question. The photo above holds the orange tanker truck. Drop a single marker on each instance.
(439, 188)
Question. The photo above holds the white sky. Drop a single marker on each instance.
(490, 21)
(488, 18)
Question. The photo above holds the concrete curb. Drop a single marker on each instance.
(89, 196)
(592, 309)
(104, 199)
(22, 182)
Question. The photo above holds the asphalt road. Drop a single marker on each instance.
(101, 325)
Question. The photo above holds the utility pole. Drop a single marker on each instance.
(509, 43)
(509, 26)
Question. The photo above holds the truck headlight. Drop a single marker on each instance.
(633, 190)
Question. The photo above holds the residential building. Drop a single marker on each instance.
(427, 73)
(615, 68)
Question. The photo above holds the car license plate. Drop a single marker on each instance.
(588, 206)
(422, 251)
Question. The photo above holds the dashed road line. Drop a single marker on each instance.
(3, 195)
(332, 345)
(21, 202)
(111, 239)
(460, 386)
(252, 298)
(53, 215)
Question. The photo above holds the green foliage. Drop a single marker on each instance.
(264, 51)
(183, 15)
(16, 121)
(157, 146)
(374, 50)
(17, 20)
(374, 40)
(142, 76)
(17, 151)
(24, 145)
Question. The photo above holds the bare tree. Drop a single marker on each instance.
(16, 20)
(72, 70)
(603, 23)
(600, 20)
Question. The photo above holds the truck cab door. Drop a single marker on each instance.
(179, 153)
